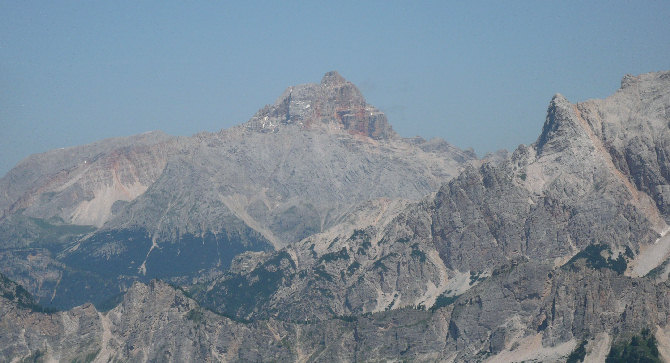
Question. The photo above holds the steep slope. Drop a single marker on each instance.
(524, 311)
(155, 322)
(549, 201)
(546, 202)
(79, 185)
(520, 259)
(334, 103)
(531, 252)
(632, 125)
(191, 204)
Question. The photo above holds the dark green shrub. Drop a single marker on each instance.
(578, 354)
(594, 259)
(334, 256)
(641, 348)
(443, 301)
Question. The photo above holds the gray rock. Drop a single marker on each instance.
(519, 257)
(190, 204)
(335, 103)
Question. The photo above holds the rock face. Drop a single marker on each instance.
(79, 185)
(552, 203)
(335, 103)
(183, 331)
(524, 311)
(521, 257)
(180, 209)
(547, 202)
(633, 127)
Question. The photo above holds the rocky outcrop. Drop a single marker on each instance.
(335, 103)
(523, 311)
(183, 331)
(546, 202)
(182, 208)
(369, 262)
(80, 185)
(633, 126)
(521, 257)
(555, 211)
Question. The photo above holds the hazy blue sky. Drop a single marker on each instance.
(475, 73)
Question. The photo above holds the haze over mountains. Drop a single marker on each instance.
(291, 171)
(315, 227)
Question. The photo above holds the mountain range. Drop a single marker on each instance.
(107, 214)
(313, 232)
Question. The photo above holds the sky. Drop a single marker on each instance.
(478, 74)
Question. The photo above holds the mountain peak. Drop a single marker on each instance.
(335, 102)
(332, 78)
(560, 126)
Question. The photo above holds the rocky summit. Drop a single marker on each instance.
(313, 232)
(82, 224)
(335, 102)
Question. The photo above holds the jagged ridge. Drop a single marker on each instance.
(335, 103)
(193, 203)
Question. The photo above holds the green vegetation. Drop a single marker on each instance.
(347, 318)
(111, 303)
(334, 256)
(88, 358)
(35, 357)
(658, 270)
(286, 342)
(23, 299)
(353, 267)
(196, 316)
(508, 267)
(629, 253)
(23, 231)
(416, 252)
(443, 301)
(321, 273)
(239, 294)
(55, 228)
(326, 293)
(360, 234)
(379, 264)
(640, 348)
(475, 276)
(364, 237)
(578, 354)
(593, 256)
